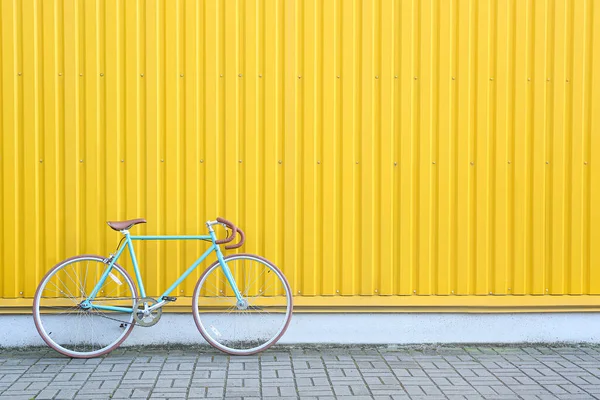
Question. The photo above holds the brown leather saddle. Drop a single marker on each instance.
(124, 225)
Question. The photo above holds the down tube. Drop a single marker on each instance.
(187, 272)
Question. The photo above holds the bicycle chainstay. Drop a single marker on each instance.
(137, 299)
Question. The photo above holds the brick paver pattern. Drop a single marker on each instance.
(447, 372)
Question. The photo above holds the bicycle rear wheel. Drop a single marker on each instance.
(263, 315)
(75, 330)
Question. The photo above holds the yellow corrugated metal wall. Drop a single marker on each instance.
(369, 148)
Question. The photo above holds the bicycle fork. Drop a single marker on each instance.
(241, 304)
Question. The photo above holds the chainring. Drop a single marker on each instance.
(146, 319)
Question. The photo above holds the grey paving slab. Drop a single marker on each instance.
(319, 373)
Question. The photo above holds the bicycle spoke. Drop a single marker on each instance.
(87, 264)
(69, 310)
(77, 284)
(68, 295)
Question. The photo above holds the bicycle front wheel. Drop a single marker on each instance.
(69, 326)
(257, 321)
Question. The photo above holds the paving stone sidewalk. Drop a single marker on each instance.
(415, 372)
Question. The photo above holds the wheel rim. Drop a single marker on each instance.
(253, 324)
(75, 330)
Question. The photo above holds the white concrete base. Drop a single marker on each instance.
(19, 330)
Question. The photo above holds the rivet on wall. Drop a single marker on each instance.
(181, 75)
(201, 161)
(472, 163)
(142, 75)
(122, 160)
(240, 75)
(60, 74)
(20, 73)
(280, 161)
(416, 78)
(376, 76)
(80, 75)
(260, 75)
(240, 161)
(101, 74)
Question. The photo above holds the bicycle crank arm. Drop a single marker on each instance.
(157, 305)
(165, 300)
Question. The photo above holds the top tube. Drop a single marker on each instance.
(168, 237)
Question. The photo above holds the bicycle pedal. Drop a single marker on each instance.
(169, 298)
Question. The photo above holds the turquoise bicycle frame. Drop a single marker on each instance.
(129, 244)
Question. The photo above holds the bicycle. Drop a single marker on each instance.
(87, 305)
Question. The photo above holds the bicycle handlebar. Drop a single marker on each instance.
(234, 231)
(240, 243)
